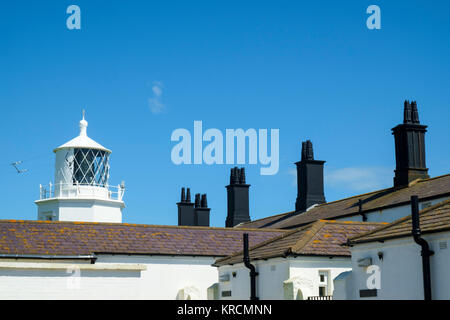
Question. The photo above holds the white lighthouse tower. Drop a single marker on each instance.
(81, 191)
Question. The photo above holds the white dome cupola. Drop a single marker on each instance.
(81, 191)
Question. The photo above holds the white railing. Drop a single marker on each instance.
(68, 190)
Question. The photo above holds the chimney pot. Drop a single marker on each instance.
(188, 197)
(202, 212)
(186, 214)
(197, 200)
(204, 202)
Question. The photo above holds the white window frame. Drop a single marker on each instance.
(326, 283)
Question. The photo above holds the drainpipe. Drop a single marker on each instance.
(426, 252)
(253, 272)
(363, 215)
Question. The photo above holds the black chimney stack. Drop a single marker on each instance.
(193, 214)
(202, 211)
(409, 147)
(309, 179)
(186, 214)
(238, 199)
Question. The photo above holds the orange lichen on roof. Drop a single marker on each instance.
(68, 238)
(322, 238)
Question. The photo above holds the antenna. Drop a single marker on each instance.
(16, 166)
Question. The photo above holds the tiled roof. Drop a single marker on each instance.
(322, 238)
(432, 219)
(84, 238)
(425, 189)
(261, 223)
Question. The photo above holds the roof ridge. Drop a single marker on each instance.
(276, 215)
(398, 221)
(303, 241)
(139, 225)
(433, 178)
(355, 196)
(353, 222)
(375, 191)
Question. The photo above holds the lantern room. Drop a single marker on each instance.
(81, 190)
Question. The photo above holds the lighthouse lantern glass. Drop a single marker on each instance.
(90, 167)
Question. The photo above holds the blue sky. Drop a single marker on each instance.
(310, 69)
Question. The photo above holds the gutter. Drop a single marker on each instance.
(426, 252)
(48, 257)
(252, 268)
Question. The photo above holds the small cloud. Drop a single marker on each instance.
(293, 174)
(155, 103)
(359, 178)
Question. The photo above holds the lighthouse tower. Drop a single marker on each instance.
(81, 191)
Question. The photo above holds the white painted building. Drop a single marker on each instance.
(283, 278)
(81, 190)
(387, 262)
(80, 249)
(83, 260)
(297, 265)
(111, 277)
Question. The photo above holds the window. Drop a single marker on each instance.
(322, 292)
(47, 216)
(226, 293)
(323, 283)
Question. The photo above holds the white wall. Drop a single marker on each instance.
(309, 268)
(391, 214)
(273, 273)
(81, 209)
(401, 268)
(163, 278)
(269, 282)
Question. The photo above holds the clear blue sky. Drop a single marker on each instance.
(311, 69)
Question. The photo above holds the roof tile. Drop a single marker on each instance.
(81, 238)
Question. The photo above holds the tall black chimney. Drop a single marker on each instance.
(186, 214)
(409, 147)
(309, 179)
(202, 211)
(238, 200)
